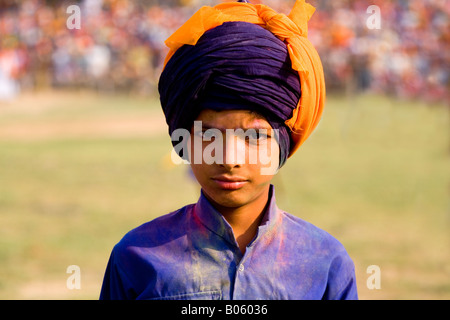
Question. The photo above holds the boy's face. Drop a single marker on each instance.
(240, 173)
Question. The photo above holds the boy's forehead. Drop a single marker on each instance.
(232, 119)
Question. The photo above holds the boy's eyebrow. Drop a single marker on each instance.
(206, 127)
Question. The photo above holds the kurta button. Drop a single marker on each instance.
(241, 268)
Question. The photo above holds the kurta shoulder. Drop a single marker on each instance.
(157, 231)
(310, 235)
(325, 252)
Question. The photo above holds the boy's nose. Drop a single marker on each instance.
(233, 152)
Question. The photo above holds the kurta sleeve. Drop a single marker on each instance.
(116, 285)
(341, 279)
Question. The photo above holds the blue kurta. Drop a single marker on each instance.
(192, 254)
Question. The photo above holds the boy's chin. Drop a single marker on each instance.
(229, 198)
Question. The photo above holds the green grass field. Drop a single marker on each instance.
(79, 170)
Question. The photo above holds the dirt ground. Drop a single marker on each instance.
(24, 120)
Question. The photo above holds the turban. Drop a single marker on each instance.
(245, 56)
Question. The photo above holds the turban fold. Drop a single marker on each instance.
(245, 56)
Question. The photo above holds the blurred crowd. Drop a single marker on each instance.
(120, 44)
(408, 56)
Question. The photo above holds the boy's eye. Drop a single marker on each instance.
(259, 135)
(256, 136)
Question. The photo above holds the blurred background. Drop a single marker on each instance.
(85, 154)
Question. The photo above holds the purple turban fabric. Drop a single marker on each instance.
(237, 65)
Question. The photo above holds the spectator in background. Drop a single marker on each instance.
(120, 46)
(9, 68)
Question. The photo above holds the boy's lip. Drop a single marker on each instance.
(227, 178)
(229, 182)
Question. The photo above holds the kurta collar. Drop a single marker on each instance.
(214, 220)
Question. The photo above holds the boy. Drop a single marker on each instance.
(243, 84)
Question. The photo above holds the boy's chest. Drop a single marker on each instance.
(218, 273)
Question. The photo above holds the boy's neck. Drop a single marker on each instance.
(245, 220)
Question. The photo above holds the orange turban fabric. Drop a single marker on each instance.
(292, 30)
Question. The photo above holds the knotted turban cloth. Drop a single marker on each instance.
(244, 56)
